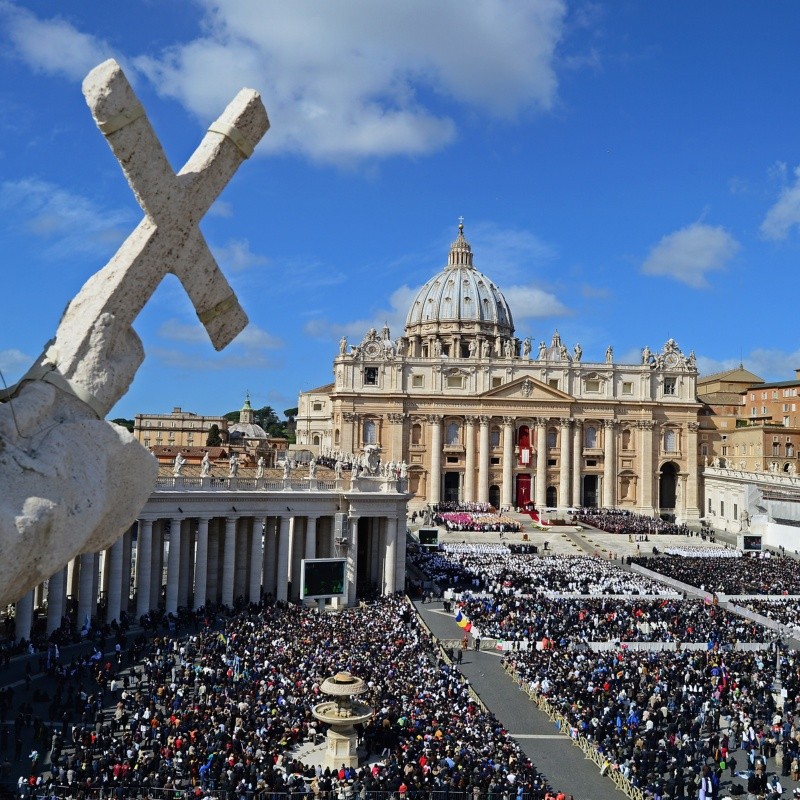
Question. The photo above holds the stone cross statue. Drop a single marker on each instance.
(72, 482)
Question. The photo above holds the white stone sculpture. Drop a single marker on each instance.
(287, 470)
(233, 465)
(337, 469)
(526, 347)
(609, 354)
(262, 463)
(403, 469)
(205, 466)
(177, 465)
(578, 351)
(72, 482)
(312, 469)
(342, 345)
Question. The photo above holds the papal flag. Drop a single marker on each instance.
(462, 621)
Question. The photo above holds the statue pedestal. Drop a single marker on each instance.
(341, 748)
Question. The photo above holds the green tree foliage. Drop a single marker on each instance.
(124, 423)
(214, 439)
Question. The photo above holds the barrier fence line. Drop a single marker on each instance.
(590, 751)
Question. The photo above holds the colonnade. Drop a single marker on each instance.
(193, 555)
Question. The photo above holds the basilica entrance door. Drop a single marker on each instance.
(494, 496)
(452, 482)
(590, 491)
(523, 491)
(552, 497)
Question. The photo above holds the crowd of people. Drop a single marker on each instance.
(612, 520)
(769, 575)
(222, 710)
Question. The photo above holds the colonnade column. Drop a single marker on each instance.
(563, 475)
(186, 567)
(55, 599)
(201, 564)
(541, 462)
(85, 587)
(156, 564)
(311, 537)
(23, 616)
(270, 549)
(506, 496)
(483, 459)
(390, 557)
(144, 544)
(282, 583)
(173, 565)
(577, 463)
(691, 499)
(609, 464)
(469, 472)
(646, 454)
(257, 557)
(114, 568)
(229, 561)
(352, 562)
(435, 478)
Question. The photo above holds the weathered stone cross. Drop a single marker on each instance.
(96, 353)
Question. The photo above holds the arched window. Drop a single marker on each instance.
(370, 432)
(494, 437)
(626, 439)
(670, 441)
(452, 433)
(591, 437)
(789, 450)
(336, 437)
(315, 439)
(416, 433)
(552, 437)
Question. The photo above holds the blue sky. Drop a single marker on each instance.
(627, 171)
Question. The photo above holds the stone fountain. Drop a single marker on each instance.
(341, 714)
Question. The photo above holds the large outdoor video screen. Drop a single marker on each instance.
(429, 536)
(323, 577)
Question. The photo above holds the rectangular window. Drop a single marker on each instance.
(455, 381)
(452, 459)
(774, 395)
(552, 462)
(722, 508)
(785, 406)
(735, 511)
(786, 422)
(753, 411)
(370, 376)
(669, 386)
(627, 387)
(725, 450)
(417, 381)
(591, 462)
(703, 449)
(593, 386)
(709, 504)
(496, 382)
(494, 460)
(317, 407)
(553, 382)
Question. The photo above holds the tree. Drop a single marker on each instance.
(125, 423)
(214, 439)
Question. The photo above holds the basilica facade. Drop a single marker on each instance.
(474, 413)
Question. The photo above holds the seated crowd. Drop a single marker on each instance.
(612, 520)
(739, 576)
(476, 521)
(223, 709)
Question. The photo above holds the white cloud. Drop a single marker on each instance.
(52, 46)
(531, 302)
(69, 222)
(212, 362)
(689, 253)
(770, 364)
(357, 79)
(13, 365)
(237, 256)
(506, 254)
(785, 213)
(221, 208)
(251, 338)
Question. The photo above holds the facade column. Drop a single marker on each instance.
(212, 573)
(229, 561)
(201, 564)
(352, 561)
(55, 600)
(256, 557)
(127, 549)
(157, 565)
(187, 567)
(282, 580)
(396, 438)
(506, 496)
(23, 617)
(646, 506)
(609, 464)
(144, 544)
(541, 463)
(564, 470)
(390, 557)
(311, 537)
(483, 459)
(113, 566)
(85, 587)
(173, 566)
(577, 463)
(435, 481)
(469, 472)
(691, 495)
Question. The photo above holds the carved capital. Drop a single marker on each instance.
(484, 420)
(435, 419)
(693, 426)
(646, 424)
(565, 422)
(396, 418)
(609, 423)
(541, 421)
(470, 419)
(508, 420)
(349, 416)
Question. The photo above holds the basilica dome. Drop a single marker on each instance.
(460, 299)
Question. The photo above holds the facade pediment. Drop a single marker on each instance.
(528, 388)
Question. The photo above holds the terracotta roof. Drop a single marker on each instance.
(327, 388)
(739, 375)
